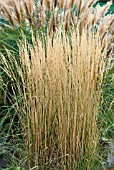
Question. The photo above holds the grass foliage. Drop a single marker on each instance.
(56, 98)
(56, 84)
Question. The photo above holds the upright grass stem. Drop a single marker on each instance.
(60, 93)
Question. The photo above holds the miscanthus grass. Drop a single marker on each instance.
(48, 15)
(56, 92)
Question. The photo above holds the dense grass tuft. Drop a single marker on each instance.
(56, 92)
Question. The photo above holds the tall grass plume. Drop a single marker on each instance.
(57, 92)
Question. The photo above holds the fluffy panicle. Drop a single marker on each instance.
(15, 7)
(15, 11)
(86, 17)
(61, 4)
(67, 21)
(48, 3)
(52, 24)
(42, 14)
(5, 11)
(72, 2)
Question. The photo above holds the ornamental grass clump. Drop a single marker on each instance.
(56, 94)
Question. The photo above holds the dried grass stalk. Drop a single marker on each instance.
(60, 93)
